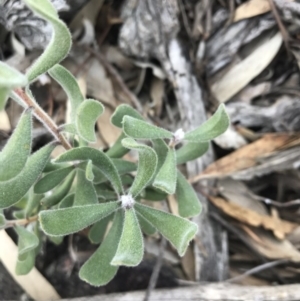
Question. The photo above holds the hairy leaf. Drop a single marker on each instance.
(121, 111)
(13, 190)
(59, 45)
(167, 175)
(17, 150)
(146, 227)
(146, 167)
(177, 230)
(58, 222)
(25, 263)
(86, 117)
(151, 194)
(85, 193)
(2, 219)
(210, 129)
(70, 86)
(98, 270)
(33, 203)
(52, 179)
(188, 202)
(99, 159)
(161, 149)
(89, 174)
(97, 231)
(130, 249)
(67, 201)
(60, 192)
(191, 151)
(118, 150)
(9, 78)
(104, 193)
(140, 129)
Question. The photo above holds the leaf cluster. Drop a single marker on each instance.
(88, 188)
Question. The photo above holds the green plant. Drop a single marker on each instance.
(44, 191)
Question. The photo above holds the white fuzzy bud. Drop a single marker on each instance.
(179, 135)
(127, 201)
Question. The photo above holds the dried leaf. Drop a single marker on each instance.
(251, 8)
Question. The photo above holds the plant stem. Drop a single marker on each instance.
(41, 115)
(20, 222)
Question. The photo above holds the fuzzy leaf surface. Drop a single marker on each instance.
(191, 151)
(26, 240)
(85, 193)
(60, 192)
(118, 150)
(89, 174)
(58, 222)
(13, 190)
(121, 111)
(52, 179)
(87, 114)
(97, 231)
(99, 159)
(130, 249)
(146, 166)
(70, 86)
(97, 270)
(210, 129)
(32, 204)
(146, 227)
(188, 202)
(17, 150)
(2, 219)
(60, 43)
(139, 129)
(177, 230)
(166, 177)
(67, 201)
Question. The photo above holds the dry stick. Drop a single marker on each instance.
(20, 222)
(156, 270)
(114, 73)
(258, 269)
(284, 33)
(41, 115)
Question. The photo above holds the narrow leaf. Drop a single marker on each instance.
(13, 190)
(167, 176)
(27, 240)
(25, 263)
(210, 129)
(118, 150)
(151, 194)
(2, 219)
(97, 231)
(146, 167)
(89, 174)
(121, 111)
(188, 202)
(60, 43)
(98, 270)
(60, 192)
(124, 166)
(17, 150)
(58, 222)
(33, 203)
(146, 227)
(86, 117)
(52, 179)
(69, 83)
(130, 249)
(191, 151)
(104, 193)
(177, 230)
(161, 149)
(140, 129)
(85, 193)
(4, 93)
(99, 159)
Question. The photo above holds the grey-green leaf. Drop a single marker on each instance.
(140, 129)
(87, 114)
(33, 203)
(146, 167)
(59, 192)
(58, 222)
(17, 150)
(67, 201)
(121, 111)
(25, 263)
(130, 249)
(27, 240)
(98, 270)
(188, 202)
(2, 219)
(146, 227)
(191, 151)
(177, 230)
(166, 177)
(52, 179)
(97, 231)
(99, 159)
(13, 190)
(59, 45)
(210, 129)
(70, 86)
(118, 150)
(89, 174)
(85, 193)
